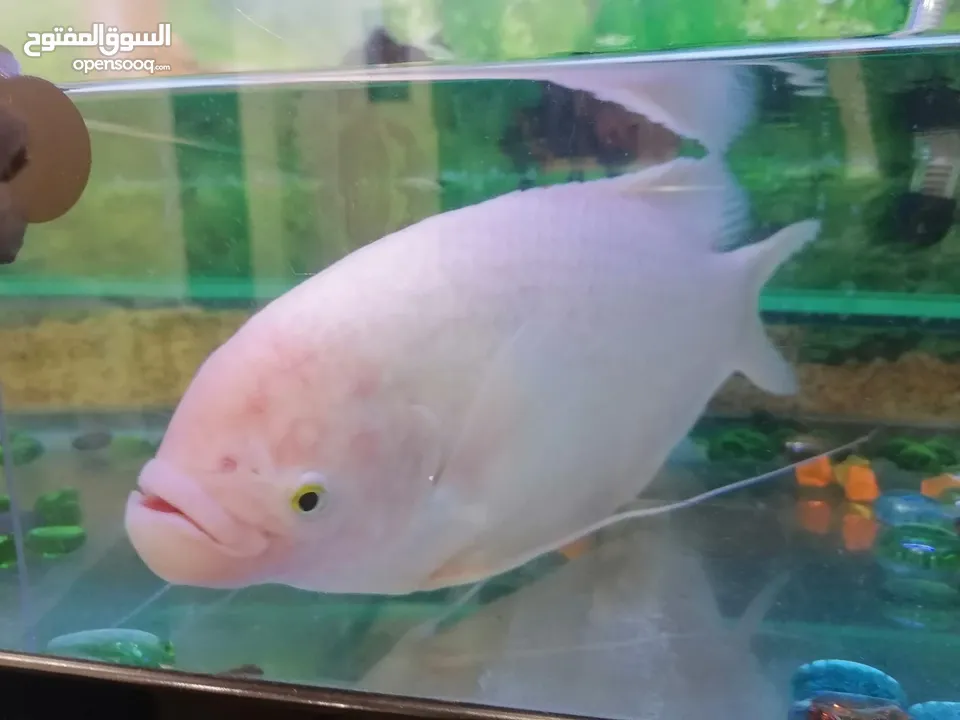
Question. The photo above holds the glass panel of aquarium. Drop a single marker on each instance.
(449, 382)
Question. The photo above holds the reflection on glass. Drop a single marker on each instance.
(214, 36)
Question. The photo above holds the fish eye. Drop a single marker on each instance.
(309, 498)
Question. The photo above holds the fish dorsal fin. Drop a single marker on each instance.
(699, 196)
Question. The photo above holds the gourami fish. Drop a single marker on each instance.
(461, 395)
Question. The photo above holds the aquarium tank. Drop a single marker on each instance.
(597, 358)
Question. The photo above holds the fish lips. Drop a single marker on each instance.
(170, 501)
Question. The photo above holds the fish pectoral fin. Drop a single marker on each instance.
(478, 563)
(499, 406)
(426, 443)
(546, 419)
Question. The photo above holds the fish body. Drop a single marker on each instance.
(478, 386)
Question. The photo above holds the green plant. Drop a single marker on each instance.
(23, 449)
(59, 508)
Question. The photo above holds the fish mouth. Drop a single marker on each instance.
(156, 504)
(171, 499)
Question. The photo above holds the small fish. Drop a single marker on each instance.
(805, 447)
(466, 393)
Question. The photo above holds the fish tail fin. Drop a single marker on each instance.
(700, 195)
(756, 356)
(711, 103)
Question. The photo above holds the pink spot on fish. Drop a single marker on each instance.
(257, 405)
(300, 444)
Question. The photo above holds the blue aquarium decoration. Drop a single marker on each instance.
(846, 690)
(840, 706)
(826, 677)
(935, 711)
(911, 508)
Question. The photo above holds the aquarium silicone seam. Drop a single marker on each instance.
(23, 579)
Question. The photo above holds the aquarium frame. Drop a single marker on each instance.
(40, 682)
(906, 40)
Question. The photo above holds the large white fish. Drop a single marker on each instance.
(467, 392)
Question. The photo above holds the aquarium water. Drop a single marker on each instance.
(834, 581)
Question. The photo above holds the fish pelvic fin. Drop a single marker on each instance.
(702, 197)
(756, 356)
